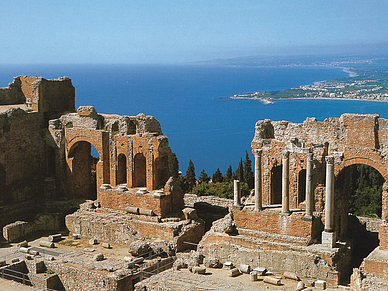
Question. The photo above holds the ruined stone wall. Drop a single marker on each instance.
(133, 153)
(159, 202)
(272, 222)
(12, 94)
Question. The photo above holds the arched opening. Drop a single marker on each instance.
(161, 172)
(358, 204)
(83, 172)
(139, 173)
(276, 185)
(121, 177)
(301, 186)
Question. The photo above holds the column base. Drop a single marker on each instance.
(238, 207)
(329, 239)
(307, 217)
(285, 213)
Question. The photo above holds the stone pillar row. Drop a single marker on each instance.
(285, 184)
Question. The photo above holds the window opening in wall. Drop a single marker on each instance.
(139, 179)
(276, 185)
(121, 169)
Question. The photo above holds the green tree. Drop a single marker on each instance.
(248, 174)
(365, 188)
(204, 177)
(190, 176)
(240, 172)
(217, 176)
(229, 174)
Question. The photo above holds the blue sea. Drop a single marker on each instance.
(212, 132)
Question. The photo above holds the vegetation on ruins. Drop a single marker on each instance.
(365, 189)
(220, 185)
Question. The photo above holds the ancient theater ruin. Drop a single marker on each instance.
(90, 201)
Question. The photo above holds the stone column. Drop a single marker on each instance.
(237, 194)
(328, 235)
(258, 196)
(309, 186)
(285, 183)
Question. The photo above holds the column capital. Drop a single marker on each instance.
(286, 154)
(329, 160)
(258, 152)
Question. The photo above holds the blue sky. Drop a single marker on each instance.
(79, 31)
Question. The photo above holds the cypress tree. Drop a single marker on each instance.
(204, 177)
(240, 172)
(190, 176)
(229, 174)
(248, 174)
(217, 176)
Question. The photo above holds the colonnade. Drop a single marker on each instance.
(328, 235)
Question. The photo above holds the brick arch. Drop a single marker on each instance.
(380, 167)
(75, 140)
(100, 140)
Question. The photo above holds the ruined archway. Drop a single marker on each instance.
(358, 207)
(161, 173)
(121, 169)
(139, 173)
(83, 169)
(276, 185)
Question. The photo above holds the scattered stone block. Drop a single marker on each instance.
(128, 259)
(197, 256)
(307, 289)
(29, 257)
(33, 252)
(320, 284)
(199, 270)
(46, 244)
(300, 286)
(228, 265)
(22, 244)
(245, 269)
(179, 264)
(93, 241)
(133, 210)
(139, 247)
(260, 271)
(89, 250)
(212, 262)
(268, 273)
(76, 236)
(190, 213)
(23, 250)
(271, 280)
(55, 237)
(291, 275)
(253, 276)
(99, 257)
(233, 272)
(147, 212)
(106, 246)
(15, 260)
